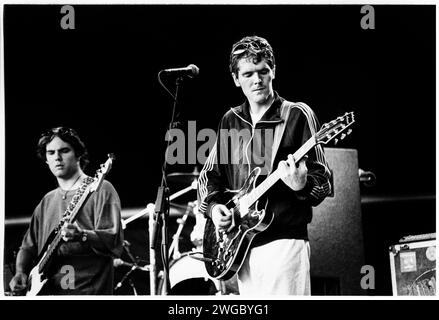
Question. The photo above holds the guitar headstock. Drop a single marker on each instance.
(102, 172)
(336, 127)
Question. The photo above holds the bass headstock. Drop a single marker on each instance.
(102, 172)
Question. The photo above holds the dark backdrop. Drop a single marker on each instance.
(101, 79)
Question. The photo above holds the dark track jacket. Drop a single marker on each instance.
(240, 147)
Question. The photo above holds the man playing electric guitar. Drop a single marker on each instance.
(277, 261)
(83, 262)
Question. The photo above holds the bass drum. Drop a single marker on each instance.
(187, 276)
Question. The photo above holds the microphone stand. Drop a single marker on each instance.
(152, 263)
(162, 204)
(125, 277)
(134, 266)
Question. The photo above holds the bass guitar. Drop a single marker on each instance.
(39, 273)
(225, 251)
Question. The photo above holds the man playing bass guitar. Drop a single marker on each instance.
(82, 259)
(277, 260)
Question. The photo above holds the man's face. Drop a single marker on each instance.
(61, 158)
(255, 80)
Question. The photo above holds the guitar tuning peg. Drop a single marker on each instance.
(342, 136)
(349, 131)
(335, 140)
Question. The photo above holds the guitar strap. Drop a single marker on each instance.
(285, 109)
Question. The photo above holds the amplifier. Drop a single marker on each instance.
(413, 266)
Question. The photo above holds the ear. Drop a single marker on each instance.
(235, 79)
(274, 72)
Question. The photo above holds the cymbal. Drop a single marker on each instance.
(183, 177)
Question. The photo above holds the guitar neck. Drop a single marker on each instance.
(51, 249)
(265, 185)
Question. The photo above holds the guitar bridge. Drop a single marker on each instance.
(219, 266)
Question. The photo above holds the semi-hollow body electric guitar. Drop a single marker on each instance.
(225, 251)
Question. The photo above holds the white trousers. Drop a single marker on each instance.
(280, 267)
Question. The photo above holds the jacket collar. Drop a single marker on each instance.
(272, 114)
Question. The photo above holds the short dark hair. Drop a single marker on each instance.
(251, 47)
(68, 135)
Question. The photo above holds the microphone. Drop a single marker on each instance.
(367, 177)
(190, 71)
(204, 259)
(119, 263)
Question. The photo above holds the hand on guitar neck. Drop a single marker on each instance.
(71, 232)
(294, 175)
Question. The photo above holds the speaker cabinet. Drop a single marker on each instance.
(336, 239)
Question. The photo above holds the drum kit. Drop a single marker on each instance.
(187, 274)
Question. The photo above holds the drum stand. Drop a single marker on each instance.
(130, 282)
(134, 266)
(174, 248)
(150, 211)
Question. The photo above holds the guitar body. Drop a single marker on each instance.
(35, 282)
(226, 250)
(38, 276)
